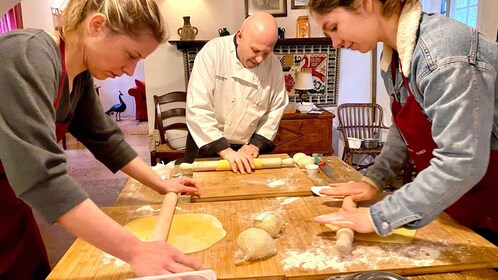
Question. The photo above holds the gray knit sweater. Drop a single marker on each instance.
(30, 70)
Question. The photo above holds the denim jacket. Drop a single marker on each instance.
(452, 71)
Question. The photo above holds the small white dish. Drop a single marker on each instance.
(311, 169)
(316, 189)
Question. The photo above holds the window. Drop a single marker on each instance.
(462, 10)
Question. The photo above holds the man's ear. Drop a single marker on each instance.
(96, 24)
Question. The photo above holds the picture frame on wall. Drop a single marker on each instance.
(299, 4)
(277, 8)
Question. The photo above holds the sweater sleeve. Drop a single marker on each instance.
(34, 164)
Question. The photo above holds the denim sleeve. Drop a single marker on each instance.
(459, 99)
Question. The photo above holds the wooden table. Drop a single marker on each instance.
(305, 251)
(263, 183)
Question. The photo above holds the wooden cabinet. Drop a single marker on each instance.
(307, 133)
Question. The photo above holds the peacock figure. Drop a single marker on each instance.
(117, 108)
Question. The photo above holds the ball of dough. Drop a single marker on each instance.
(302, 162)
(271, 222)
(256, 244)
(297, 156)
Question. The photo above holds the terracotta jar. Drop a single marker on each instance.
(187, 32)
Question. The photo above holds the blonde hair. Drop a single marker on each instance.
(389, 7)
(123, 16)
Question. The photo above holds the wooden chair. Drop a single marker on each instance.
(169, 112)
(360, 120)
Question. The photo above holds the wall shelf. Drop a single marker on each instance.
(186, 44)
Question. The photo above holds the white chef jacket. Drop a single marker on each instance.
(225, 99)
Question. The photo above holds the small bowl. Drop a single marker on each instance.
(354, 143)
(311, 169)
(370, 143)
(177, 138)
(305, 107)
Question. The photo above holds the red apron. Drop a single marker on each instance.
(475, 209)
(22, 252)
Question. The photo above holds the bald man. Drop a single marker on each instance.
(236, 95)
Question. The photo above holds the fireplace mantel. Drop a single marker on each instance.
(186, 44)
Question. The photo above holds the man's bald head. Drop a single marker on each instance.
(256, 38)
(262, 26)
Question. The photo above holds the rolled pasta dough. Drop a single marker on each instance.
(189, 233)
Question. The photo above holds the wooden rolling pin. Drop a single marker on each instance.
(224, 165)
(163, 224)
(344, 236)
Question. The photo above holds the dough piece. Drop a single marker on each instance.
(400, 235)
(270, 222)
(302, 162)
(256, 244)
(189, 233)
(297, 156)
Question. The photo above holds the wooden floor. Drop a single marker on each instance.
(101, 184)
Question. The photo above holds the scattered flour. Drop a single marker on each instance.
(289, 200)
(107, 259)
(273, 183)
(323, 255)
(146, 208)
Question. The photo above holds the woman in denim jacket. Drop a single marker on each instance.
(442, 79)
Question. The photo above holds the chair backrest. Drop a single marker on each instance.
(360, 120)
(170, 112)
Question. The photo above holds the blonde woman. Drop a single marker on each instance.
(442, 79)
(46, 83)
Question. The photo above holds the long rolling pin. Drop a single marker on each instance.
(163, 224)
(224, 165)
(345, 236)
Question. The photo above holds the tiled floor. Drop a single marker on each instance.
(101, 184)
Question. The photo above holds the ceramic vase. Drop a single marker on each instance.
(187, 32)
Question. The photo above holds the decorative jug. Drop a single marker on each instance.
(187, 32)
(223, 32)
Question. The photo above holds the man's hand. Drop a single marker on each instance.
(181, 185)
(250, 150)
(357, 190)
(155, 258)
(238, 161)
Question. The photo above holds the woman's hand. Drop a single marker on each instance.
(182, 185)
(356, 219)
(155, 258)
(358, 191)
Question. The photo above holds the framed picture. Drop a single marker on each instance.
(277, 8)
(299, 4)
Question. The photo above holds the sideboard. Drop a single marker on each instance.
(306, 133)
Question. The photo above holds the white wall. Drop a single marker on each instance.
(37, 14)
(487, 17)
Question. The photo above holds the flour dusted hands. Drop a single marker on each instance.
(238, 161)
(250, 150)
(155, 258)
(358, 191)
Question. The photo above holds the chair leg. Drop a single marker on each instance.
(153, 160)
(64, 142)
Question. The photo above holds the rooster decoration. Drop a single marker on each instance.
(117, 108)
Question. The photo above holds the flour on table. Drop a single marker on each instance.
(322, 255)
(273, 183)
(146, 208)
(107, 259)
(289, 200)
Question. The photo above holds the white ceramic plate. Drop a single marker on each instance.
(316, 189)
